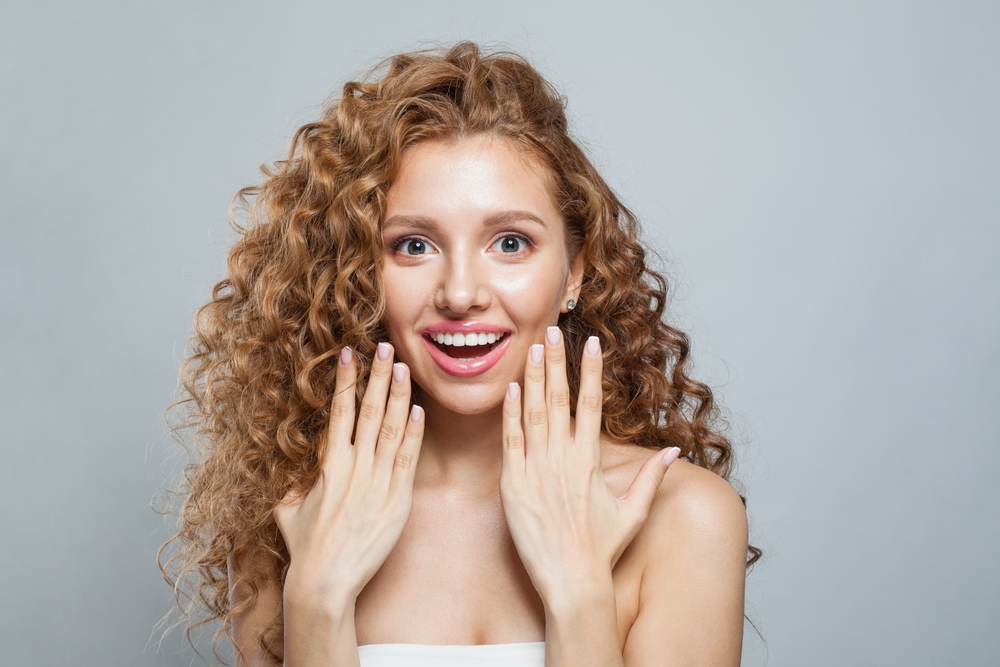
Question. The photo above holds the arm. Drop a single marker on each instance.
(694, 548)
(340, 531)
(300, 623)
(567, 525)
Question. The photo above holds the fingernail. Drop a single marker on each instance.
(536, 354)
(553, 335)
(383, 351)
(398, 372)
(346, 355)
(670, 456)
(594, 346)
(416, 413)
(513, 391)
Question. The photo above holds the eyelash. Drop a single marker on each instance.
(400, 242)
(520, 237)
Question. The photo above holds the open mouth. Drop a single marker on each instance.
(466, 347)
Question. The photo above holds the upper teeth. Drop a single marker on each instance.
(461, 340)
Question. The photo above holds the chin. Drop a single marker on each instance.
(468, 400)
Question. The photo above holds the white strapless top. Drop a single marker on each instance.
(523, 654)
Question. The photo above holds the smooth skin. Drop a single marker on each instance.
(567, 525)
(341, 531)
(494, 516)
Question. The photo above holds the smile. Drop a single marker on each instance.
(474, 341)
(466, 354)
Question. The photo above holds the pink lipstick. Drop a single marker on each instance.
(466, 348)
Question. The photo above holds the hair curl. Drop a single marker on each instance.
(303, 281)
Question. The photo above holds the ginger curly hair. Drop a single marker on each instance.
(303, 281)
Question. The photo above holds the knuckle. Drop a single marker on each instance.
(389, 432)
(381, 370)
(559, 398)
(403, 460)
(537, 417)
(339, 410)
(515, 441)
(368, 411)
(592, 402)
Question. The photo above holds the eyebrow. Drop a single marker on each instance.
(495, 220)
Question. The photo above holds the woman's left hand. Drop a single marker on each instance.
(567, 525)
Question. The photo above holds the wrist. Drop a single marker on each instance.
(305, 598)
(318, 613)
(319, 633)
(566, 601)
(581, 626)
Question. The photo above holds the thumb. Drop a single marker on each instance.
(641, 492)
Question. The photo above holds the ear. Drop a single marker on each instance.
(574, 281)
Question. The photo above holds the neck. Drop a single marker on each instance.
(461, 452)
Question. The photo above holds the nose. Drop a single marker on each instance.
(464, 286)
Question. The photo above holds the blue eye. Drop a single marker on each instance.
(414, 247)
(510, 244)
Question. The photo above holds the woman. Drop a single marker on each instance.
(438, 402)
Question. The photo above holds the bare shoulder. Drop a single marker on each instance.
(693, 498)
(691, 553)
(695, 514)
(690, 498)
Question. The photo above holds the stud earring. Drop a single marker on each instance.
(571, 304)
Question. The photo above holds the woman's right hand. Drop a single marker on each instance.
(340, 532)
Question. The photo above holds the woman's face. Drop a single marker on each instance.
(475, 270)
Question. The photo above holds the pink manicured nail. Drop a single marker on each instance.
(553, 335)
(670, 456)
(513, 391)
(398, 372)
(594, 346)
(383, 351)
(346, 355)
(416, 413)
(536, 354)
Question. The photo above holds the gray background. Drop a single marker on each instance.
(823, 177)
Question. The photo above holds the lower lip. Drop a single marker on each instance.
(454, 366)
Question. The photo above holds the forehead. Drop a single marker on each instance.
(470, 178)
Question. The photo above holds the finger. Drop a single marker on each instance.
(341, 423)
(590, 401)
(394, 424)
(405, 463)
(513, 436)
(535, 414)
(556, 387)
(641, 492)
(373, 404)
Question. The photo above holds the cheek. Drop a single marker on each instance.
(404, 299)
(530, 294)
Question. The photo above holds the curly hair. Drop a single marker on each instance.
(303, 281)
